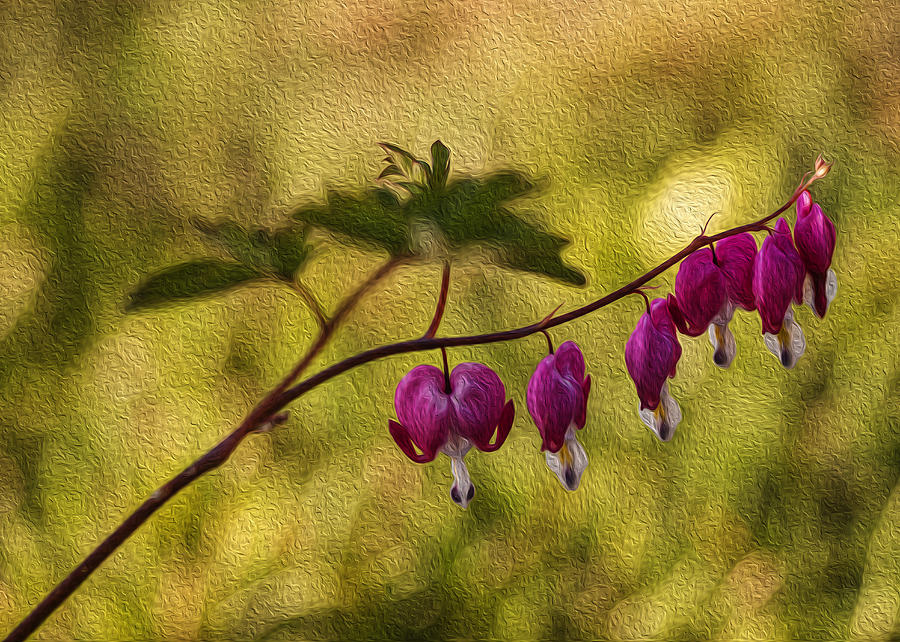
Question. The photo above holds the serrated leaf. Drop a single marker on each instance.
(282, 251)
(470, 211)
(400, 157)
(374, 218)
(390, 170)
(526, 247)
(289, 251)
(440, 165)
(189, 280)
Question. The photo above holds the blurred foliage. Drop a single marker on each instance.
(191, 279)
(282, 252)
(260, 256)
(466, 212)
(773, 513)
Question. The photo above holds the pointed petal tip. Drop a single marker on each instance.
(463, 490)
(401, 437)
(568, 464)
(503, 428)
(664, 419)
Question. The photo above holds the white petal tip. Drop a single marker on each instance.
(569, 463)
(665, 418)
(724, 346)
(789, 344)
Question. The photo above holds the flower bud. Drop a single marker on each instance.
(815, 237)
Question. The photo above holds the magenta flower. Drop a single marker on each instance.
(449, 415)
(557, 400)
(777, 280)
(814, 235)
(700, 291)
(710, 285)
(735, 256)
(651, 354)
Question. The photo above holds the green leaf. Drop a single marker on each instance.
(401, 158)
(426, 170)
(281, 252)
(440, 164)
(374, 218)
(390, 170)
(471, 211)
(189, 280)
(288, 251)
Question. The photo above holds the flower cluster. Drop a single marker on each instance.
(449, 412)
(712, 283)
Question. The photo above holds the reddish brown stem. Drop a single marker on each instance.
(441, 302)
(447, 388)
(645, 297)
(549, 341)
(264, 415)
(283, 394)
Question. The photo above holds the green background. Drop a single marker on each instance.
(775, 511)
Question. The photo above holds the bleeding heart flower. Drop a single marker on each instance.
(557, 400)
(651, 354)
(777, 280)
(710, 285)
(700, 291)
(449, 415)
(814, 235)
(735, 256)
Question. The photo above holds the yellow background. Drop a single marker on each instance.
(775, 511)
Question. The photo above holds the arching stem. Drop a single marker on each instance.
(284, 394)
(549, 341)
(441, 302)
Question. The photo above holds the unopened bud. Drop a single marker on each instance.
(822, 167)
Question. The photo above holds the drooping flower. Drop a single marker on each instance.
(814, 236)
(700, 291)
(777, 280)
(711, 283)
(557, 400)
(651, 354)
(450, 415)
(735, 256)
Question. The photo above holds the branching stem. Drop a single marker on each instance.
(263, 417)
(285, 393)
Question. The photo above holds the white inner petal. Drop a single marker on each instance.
(809, 294)
(569, 463)
(456, 446)
(830, 287)
(722, 340)
(665, 419)
(789, 344)
(462, 489)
